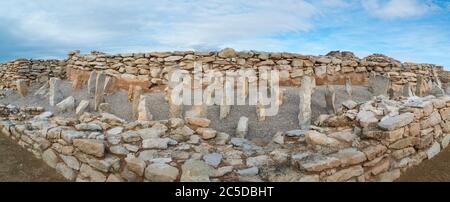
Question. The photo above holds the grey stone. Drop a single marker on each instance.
(65, 171)
(66, 105)
(295, 133)
(71, 161)
(305, 113)
(379, 85)
(248, 171)
(433, 150)
(348, 87)
(92, 83)
(407, 91)
(161, 173)
(70, 135)
(106, 164)
(213, 159)
(55, 92)
(137, 92)
(242, 127)
(88, 127)
(196, 171)
(330, 99)
(396, 122)
(349, 104)
(44, 116)
(156, 143)
(114, 131)
(50, 157)
(148, 133)
(99, 87)
(143, 111)
(92, 174)
(118, 150)
(222, 138)
(82, 107)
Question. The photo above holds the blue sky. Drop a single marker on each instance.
(408, 30)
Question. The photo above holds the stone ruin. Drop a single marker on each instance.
(406, 122)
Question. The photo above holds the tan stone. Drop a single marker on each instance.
(201, 122)
(345, 174)
(374, 151)
(90, 146)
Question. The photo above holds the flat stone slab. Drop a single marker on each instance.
(396, 122)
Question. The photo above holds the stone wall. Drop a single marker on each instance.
(372, 141)
(30, 70)
(151, 69)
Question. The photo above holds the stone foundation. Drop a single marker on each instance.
(372, 141)
(384, 142)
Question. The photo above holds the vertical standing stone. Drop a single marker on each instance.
(430, 85)
(81, 107)
(242, 128)
(419, 86)
(130, 93)
(406, 91)
(137, 92)
(92, 83)
(330, 99)
(437, 91)
(78, 82)
(22, 87)
(242, 86)
(109, 82)
(379, 85)
(260, 109)
(99, 87)
(348, 87)
(391, 93)
(143, 111)
(279, 95)
(306, 90)
(175, 111)
(226, 100)
(55, 93)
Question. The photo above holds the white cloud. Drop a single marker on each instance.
(397, 8)
(170, 24)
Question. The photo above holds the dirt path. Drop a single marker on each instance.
(436, 169)
(19, 165)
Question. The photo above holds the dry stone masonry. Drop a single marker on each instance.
(375, 140)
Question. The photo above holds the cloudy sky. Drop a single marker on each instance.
(409, 30)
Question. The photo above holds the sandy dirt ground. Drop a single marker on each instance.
(19, 165)
(436, 169)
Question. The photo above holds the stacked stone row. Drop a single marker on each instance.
(372, 141)
(154, 66)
